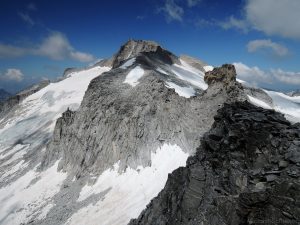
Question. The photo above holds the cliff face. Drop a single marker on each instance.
(118, 122)
(246, 171)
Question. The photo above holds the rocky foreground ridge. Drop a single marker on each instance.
(246, 171)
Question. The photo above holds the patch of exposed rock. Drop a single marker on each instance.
(120, 123)
(246, 171)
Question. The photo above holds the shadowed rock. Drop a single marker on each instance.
(246, 171)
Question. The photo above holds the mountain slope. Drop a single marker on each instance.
(25, 131)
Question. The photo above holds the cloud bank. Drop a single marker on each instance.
(274, 78)
(56, 46)
(267, 45)
(272, 17)
(12, 74)
(275, 17)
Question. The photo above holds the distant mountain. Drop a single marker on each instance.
(14, 100)
(4, 95)
(98, 145)
(295, 93)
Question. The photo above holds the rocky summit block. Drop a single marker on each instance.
(246, 171)
(134, 48)
(226, 74)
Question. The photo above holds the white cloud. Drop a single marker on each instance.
(268, 45)
(172, 11)
(10, 51)
(252, 75)
(287, 77)
(273, 78)
(26, 18)
(275, 17)
(81, 56)
(235, 23)
(56, 46)
(13, 75)
(192, 3)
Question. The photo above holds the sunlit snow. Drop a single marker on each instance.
(130, 191)
(186, 92)
(189, 74)
(259, 102)
(128, 63)
(134, 75)
(29, 128)
(208, 68)
(21, 200)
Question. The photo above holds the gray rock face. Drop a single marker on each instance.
(246, 171)
(16, 99)
(118, 122)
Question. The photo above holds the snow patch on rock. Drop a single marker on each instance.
(186, 92)
(190, 74)
(134, 75)
(208, 68)
(258, 102)
(130, 191)
(128, 63)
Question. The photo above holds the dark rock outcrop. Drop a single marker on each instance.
(225, 74)
(246, 171)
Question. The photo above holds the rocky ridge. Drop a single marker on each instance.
(120, 123)
(246, 171)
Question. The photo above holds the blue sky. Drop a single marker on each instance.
(39, 39)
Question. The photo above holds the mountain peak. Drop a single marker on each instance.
(133, 48)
